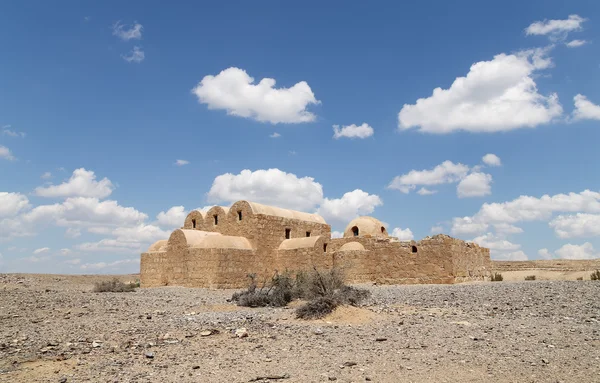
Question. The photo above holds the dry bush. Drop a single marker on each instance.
(276, 293)
(595, 276)
(316, 308)
(530, 278)
(497, 277)
(114, 286)
(580, 278)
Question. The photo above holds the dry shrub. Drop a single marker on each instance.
(277, 293)
(113, 286)
(530, 278)
(325, 290)
(595, 276)
(497, 277)
(580, 278)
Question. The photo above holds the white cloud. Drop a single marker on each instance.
(6, 154)
(403, 234)
(126, 34)
(34, 259)
(491, 160)
(139, 234)
(496, 95)
(110, 245)
(182, 162)
(505, 228)
(556, 29)
(46, 175)
(74, 261)
(351, 205)
(109, 265)
(65, 252)
(275, 135)
(475, 185)
(12, 203)
(436, 229)
(353, 131)
(6, 131)
(576, 43)
(495, 243)
(425, 191)
(137, 55)
(72, 233)
(234, 90)
(41, 250)
(466, 226)
(81, 184)
(512, 256)
(272, 187)
(544, 254)
(174, 217)
(585, 109)
(337, 234)
(578, 225)
(446, 172)
(585, 251)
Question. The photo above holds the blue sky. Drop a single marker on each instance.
(98, 102)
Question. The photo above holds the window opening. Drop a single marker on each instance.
(308, 233)
(324, 247)
(239, 215)
(287, 233)
(194, 223)
(355, 231)
(414, 249)
(216, 217)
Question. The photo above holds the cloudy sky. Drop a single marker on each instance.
(476, 119)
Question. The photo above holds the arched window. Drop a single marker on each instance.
(382, 229)
(193, 223)
(414, 249)
(216, 217)
(239, 215)
(355, 231)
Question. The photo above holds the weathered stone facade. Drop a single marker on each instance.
(221, 247)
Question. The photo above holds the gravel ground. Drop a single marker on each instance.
(54, 329)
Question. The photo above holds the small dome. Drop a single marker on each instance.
(351, 246)
(365, 227)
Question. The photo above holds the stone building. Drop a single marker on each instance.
(220, 247)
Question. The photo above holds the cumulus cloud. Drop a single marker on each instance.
(182, 162)
(495, 243)
(475, 185)
(351, 205)
(446, 172)
(585, 109)
(425, 191)
(275, 135)
(526, 209)
(6, 154)
(124, 33)
(337, 234)
(353, 131)
(72, 232)
(6, 131)
(234, 90)
(512, 256)
(272, 186)
(496, 95)
(585, 251)
(403, 234)
(578, 225)
(545, 254)
(46, 176)
(41, 250)
(437, 229)
(556, 29)
(491, 159)
(81, 184)
(174, 217)
(136, 55)
(12, 203)
(576, 43)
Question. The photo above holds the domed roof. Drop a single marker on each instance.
(365, 226)
(350, 246)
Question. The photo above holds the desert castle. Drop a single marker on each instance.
(221, 247)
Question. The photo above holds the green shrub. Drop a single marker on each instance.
(530, 278)
(497, 277)
(595, 276)
(114, 286)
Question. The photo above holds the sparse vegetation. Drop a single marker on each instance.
(114, 286)
(580, 278)
(530, 278)
(324, 290)
(497, 277)
(595, 276)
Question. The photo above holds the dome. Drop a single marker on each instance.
(365, 227)
(351, 246)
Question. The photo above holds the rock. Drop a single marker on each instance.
(196, 367)
(209, 332)
(318, 331)
(545, 361)
(148, 316)
(380, 339)
(96, 344)
(62, 380)
(149, 355)
(349, 364)
(241, 332)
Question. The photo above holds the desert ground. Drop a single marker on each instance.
(53, 328)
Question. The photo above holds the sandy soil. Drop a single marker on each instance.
(54, 329)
